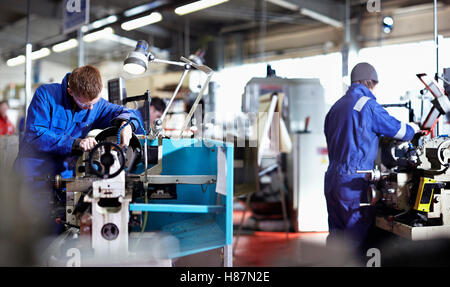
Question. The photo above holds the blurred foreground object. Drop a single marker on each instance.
(21, 225)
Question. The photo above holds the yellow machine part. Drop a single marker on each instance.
(425, 194)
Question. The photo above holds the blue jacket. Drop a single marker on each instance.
(53, 123)
(352, 128)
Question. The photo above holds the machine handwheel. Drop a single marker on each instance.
(102, 168)
(443, 157)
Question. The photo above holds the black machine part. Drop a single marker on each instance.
(116, 91)
(133, 154)
(162, 191)
(146, 108)
(153, 191)
(102, 168)
(110, 231)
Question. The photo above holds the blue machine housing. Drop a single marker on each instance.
(200, 218)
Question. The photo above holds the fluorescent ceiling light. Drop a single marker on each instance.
(16, 61)
(64, 46)
(143, 21)
(145, 7)
(111, 19)
(105, 33)
(321, 18)
(44, 52)
(135, 11)
(196, 6)
(105, 21)
(285, 4)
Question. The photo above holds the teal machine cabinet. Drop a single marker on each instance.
(201, 215)
(181, 192)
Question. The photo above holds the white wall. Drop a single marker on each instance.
(327, 68)
(397, 66)
(11, 75)
(51, 72)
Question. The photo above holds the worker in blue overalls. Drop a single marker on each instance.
(352, 128)
(59, 118)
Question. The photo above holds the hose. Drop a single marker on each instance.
(127, 123)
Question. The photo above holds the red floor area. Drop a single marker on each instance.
(274, 249)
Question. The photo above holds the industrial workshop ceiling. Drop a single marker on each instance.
(236, 25)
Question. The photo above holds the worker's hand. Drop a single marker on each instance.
(125, 135)
(415, 127)
(87, 144)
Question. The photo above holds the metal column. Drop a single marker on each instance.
(81, 55)
(28, 50)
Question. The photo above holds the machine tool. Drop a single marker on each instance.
(143, 204)
(410, 186)
(303, 110)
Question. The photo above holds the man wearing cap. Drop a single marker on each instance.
(352, 128)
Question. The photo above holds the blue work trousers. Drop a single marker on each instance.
(346, 218)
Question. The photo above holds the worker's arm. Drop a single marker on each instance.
(386, 125)
(38, 133)
(109, 114)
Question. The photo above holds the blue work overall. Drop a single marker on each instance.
(53, 123)
(352, 128)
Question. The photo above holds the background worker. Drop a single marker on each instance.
(157, 107)
(6, 127)
(352, 128)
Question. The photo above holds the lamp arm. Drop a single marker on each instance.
(181, 64)
(188, 65)
(174, 94)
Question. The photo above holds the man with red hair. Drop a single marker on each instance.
(58, 120)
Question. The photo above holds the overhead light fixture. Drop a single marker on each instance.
(388, 23)
(321, 18)
(111, 19)
(198, 5)
(285, 4)
(135, 11)
(104, 33)
(64, 46)
(16, 61)
(105, 21)
(145, 7)
(44, 52)
(143, 21)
